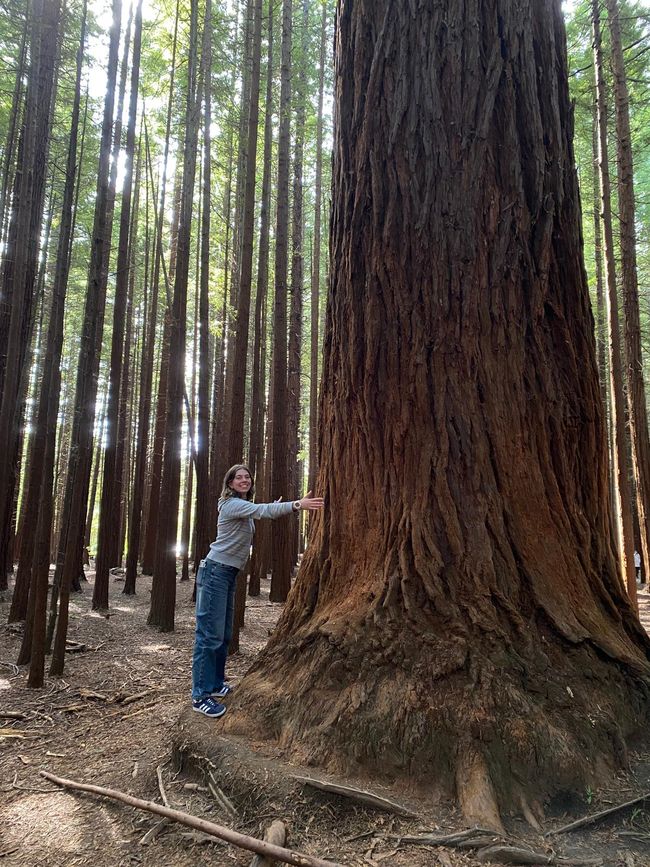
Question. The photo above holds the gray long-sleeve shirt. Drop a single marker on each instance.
(236, 526)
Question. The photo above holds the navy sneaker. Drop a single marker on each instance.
(208, 707)
(223, 692)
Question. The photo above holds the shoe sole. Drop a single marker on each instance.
(209, 715)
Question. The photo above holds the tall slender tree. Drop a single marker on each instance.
(281, 545)
(88, 363)
(149, 547)
(637, 413)
(315, 272)
(21, 255)
(245, 270)
(617, 405)
(204, 510)
(163, 590)
(38, 494)
(294, 382)
(109, 524)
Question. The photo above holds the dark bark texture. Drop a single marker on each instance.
(458, 617)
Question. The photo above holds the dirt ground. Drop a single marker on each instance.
(111, 721)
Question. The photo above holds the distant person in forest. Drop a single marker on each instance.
(216, 580)
(637, 566)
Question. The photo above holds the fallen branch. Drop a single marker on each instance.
(470, 838)
(360, 795)
(596, 817)
(236, 839)
(12, 714)
(224, 802)
(152, 833)
(74, 646)
(515, 855)
(492, 848)
(129, 699)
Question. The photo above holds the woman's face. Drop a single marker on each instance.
(241, 483)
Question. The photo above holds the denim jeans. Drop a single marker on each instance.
(215, 598)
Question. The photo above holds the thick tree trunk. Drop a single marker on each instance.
(459, 617)
(281, 541)
(638, 417)
(623, 497)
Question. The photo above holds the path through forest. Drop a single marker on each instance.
(110, 722)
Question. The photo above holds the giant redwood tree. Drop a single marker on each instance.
(459, 616)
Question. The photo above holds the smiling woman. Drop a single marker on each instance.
(216, 580)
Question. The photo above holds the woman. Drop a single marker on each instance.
(216, 580)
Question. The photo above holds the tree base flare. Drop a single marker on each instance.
(491, 727)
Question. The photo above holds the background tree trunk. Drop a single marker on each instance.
(109, 525)
(163, 589)
(638, 417)
(459, 617)
(204, 510)
(617, 406)
(73, 522)
(315, 276)
(281, 541)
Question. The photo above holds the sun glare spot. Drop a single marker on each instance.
(154, 648)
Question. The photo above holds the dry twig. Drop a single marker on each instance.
(596, 817)
(368, 799)
(287, 856)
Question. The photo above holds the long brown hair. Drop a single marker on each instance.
(227, 491)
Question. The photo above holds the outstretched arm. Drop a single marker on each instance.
(309, 503)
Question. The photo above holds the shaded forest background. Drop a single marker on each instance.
(164, 203)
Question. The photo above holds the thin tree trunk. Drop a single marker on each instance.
(21, 260)
(245, 271)
(186, 525)
(123, 453)
(8, 156)
(638, 417)
(149, 554)
(91, 340)
(204, 509)
(256, 442)
(296, 290)
(163, 590)
(94, 482)
(141, 436)
(237, 240)
(619, 452)
(109, 524)
(315, 274)
(281, 581)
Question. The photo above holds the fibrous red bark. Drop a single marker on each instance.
(458, 617)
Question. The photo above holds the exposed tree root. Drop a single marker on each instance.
(496, 727)
(475, 791)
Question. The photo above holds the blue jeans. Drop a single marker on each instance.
(215, 598)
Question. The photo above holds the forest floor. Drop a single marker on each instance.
(111, 721)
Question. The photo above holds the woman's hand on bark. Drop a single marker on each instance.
(310, 503)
